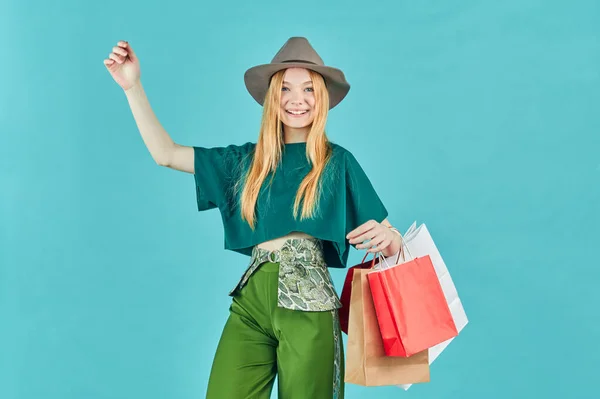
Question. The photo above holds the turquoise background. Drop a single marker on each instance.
(478, 118)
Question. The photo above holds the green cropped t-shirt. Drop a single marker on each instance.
(347, 197)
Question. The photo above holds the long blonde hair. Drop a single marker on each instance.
(268, 151)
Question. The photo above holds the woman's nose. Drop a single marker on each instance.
(297, 97)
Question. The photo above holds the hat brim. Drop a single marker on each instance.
(257, 80)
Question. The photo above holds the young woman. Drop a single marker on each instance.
(293, 202)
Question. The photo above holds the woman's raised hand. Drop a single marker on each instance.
(123, 65)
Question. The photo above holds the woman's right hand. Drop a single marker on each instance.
(123, 65)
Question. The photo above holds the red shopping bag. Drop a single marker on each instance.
(344, 311)
(411, 309)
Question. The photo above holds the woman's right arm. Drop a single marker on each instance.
(164, 151)
(124, 66)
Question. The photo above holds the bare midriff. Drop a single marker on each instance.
(276, 243)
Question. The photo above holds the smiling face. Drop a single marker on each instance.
(297, 101)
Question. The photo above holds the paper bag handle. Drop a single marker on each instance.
(372, 260)
(401, 251)
(403, 244)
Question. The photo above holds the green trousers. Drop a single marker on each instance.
(261, 340)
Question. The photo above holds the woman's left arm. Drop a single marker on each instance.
(382, 237)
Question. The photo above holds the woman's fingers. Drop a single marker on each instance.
(130, 53)
(120, 50)
(364, 237)
(384, 244)
(376, 240)
(120, 59)
(119, 53)
(361, 229)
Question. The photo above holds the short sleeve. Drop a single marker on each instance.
(215, 171)
(362, 201)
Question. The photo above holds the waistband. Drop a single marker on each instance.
(292, 248)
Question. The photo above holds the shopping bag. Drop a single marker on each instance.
(420, 243)
(366, 362)
(411, 309)
(347, 290)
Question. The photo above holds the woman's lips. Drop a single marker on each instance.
(296, 115)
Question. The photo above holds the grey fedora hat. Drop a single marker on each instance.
(296, 53)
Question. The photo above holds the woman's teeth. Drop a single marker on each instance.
(297, 112)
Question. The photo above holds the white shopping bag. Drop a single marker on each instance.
(419, 243)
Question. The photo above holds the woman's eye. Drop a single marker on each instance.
(286, 88)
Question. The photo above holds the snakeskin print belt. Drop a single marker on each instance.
(304, 279)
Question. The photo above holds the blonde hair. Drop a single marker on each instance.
(268, 151)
